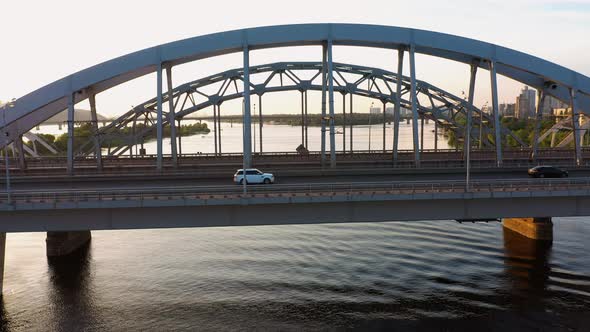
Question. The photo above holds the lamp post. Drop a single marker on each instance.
(254, 145)
(5, 135)
(244, 180)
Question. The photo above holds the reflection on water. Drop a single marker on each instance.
(4, 321)
(428, 275)
(527, 266)
(70, 289)
(281, 138)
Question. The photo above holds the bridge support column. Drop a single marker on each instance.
(247, 134)
(22, 164)
(344, 122)
(576, 126)
(533, 228)
(219, 128)
(323, 117)
(397, 106)
(384, 125)
(70, 147)
(96, 133)
(171, 116)
(435, 136)
(351, 124)
(302, 119)
(538, 119)
(2, 255)
(468, 126)
(65, 243)
(134, 143)
(179, 139)
(331, 106)
(159, 158)
(215, 127)
(260, 120)
(497, 139)
(414, 105)
(421, 134)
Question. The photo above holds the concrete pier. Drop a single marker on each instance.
(526, 264)
(65, 243)
(533, 228)
(2, 255)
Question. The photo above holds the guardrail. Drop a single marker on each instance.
(352, 188)
(430, 159)
(284, 168)
(524, 152)
(281, 167)
(257, 158)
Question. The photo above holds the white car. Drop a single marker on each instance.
(253, 176)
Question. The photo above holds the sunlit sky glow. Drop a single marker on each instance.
(43, 41)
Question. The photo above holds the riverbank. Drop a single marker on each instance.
(83, 136)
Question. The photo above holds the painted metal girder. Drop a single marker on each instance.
(445, 107)
(34, 108)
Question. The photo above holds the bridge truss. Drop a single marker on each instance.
(441, 106)
(425, 101)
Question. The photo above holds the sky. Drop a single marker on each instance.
(43, 41)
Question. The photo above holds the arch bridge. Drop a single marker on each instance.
(65, 210)
(547, 78)
(443, 107)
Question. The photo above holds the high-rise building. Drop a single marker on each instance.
(506, 109)
(550, 104)
(487, 109)
(525, 104)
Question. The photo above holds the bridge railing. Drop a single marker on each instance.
(430, 158)
(313, 189)
(221, 169)
(523, 152)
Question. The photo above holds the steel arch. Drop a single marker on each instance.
(37, 106)
(443, 106)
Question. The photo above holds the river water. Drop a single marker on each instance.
(285, 138)
(405, 275)
(423, 275)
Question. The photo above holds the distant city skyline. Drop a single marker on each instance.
(73, 38)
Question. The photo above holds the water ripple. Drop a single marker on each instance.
(394, 275)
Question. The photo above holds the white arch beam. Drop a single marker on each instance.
(47, 101)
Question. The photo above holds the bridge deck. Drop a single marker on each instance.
(288, 204)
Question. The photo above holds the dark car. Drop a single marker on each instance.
(547, 172)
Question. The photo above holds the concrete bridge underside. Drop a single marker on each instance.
(222, 210)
